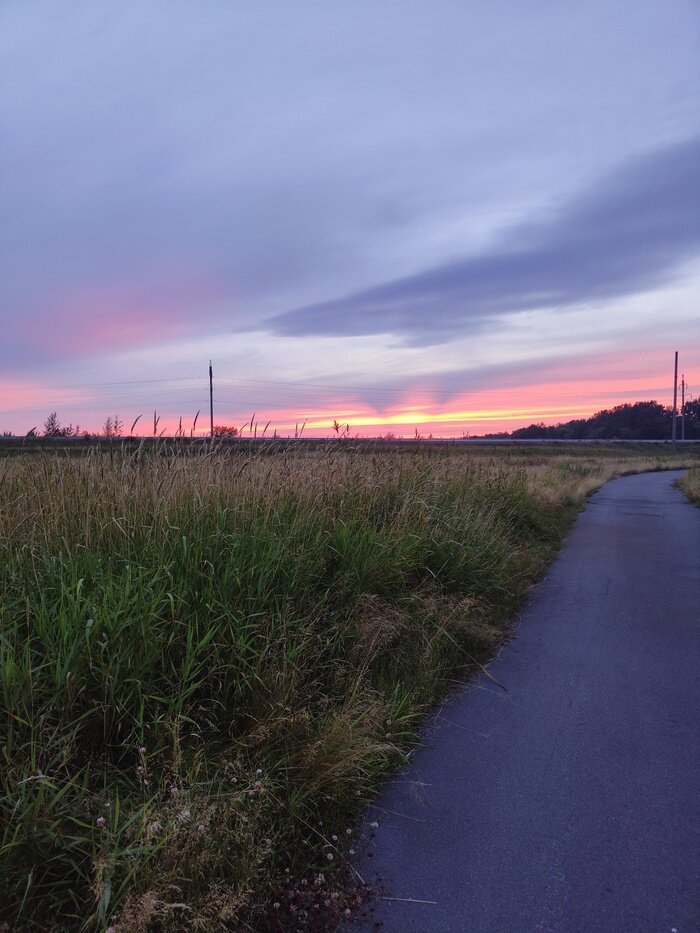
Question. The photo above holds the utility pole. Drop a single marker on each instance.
(211, 400)
(675, 400)
(683, 407)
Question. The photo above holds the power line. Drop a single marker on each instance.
(225, 381)
(125, 382)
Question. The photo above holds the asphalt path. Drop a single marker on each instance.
(559, 793)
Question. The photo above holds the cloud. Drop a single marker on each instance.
(169, 175)
(626, 235)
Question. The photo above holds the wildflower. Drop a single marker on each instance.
(111, 930)
(185, 815)
(101, 822)
(374, 825)
(259, 771)
(174, 790)
(329, 856)
(347, 912)
(142, 750)
(140, 769)
(326, 903)
(334, 838)
(276, 905)
(352, 851)
(348, 832)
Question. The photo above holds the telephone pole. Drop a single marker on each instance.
(211, 400)
(683, 407)
(675, 400)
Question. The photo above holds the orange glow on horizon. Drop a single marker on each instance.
(613, 381)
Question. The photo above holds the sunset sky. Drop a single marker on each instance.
(455, 216)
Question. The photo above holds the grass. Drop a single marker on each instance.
(209, 656)
(690, 485)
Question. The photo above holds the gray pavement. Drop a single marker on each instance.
(566, 800)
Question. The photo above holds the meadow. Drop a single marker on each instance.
(211, 654)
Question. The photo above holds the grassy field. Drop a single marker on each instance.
(210, 656)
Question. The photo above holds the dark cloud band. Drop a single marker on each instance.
(626, 235)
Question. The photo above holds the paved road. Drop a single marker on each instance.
(567, 802)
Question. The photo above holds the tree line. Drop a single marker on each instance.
(639, 421)
(113, 427)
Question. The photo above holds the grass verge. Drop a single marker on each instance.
(689, 483)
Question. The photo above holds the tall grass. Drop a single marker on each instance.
(689, 483)
(208, 658)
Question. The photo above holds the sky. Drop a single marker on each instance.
(406, 216)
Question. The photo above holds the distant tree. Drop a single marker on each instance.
(52, 426)
(225, 430)
(533, 432)
(70, 431)
(638, 421)
(113, 427)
